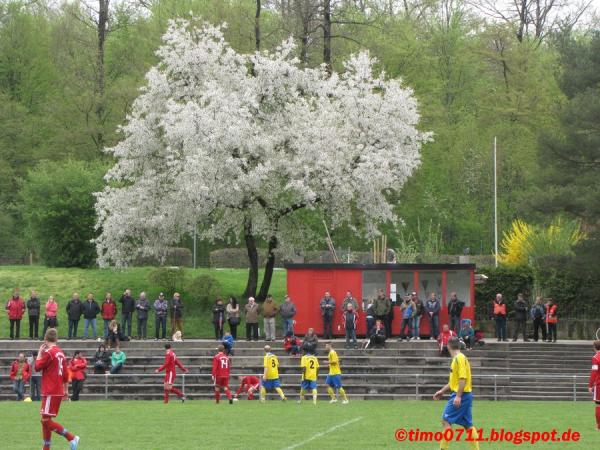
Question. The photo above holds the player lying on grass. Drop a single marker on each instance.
(220, 374)
(270, 378)
(52, 363)
(309, 365)
(249, 384)
(334, 379)
(170, 368)
(459, 409)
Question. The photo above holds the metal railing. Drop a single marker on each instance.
(495, 387)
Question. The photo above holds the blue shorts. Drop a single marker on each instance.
(269, 385)
(335, 381)
(306, 385)
(463, 415)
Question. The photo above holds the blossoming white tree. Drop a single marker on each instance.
(239, 144)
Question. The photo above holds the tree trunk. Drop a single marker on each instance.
(327, 35)
(100, 107)
(252, 283)
(269, 266)
(257, 26)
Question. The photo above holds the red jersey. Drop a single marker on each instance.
(171, 362)
(221, 366)
(445, 337)
(595, 373)
(53, 366)
(249, 382)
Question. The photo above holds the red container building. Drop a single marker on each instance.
(307, 284)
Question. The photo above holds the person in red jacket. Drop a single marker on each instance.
(15, 307)
(170, 368)
(77, 367)
(109, 312)
(443, 339)
(19, 374)
(250, 385)
(594, 386)
(551, 319)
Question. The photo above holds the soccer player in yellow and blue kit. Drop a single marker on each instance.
(310, 368)
(334, 379)
(459, 409)
(270, 379)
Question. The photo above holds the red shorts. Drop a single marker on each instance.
(50, 405)
(170, 377)
(222, 382)
(596, 392)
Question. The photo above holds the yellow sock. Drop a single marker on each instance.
(263, 394)
(444, 444)
(331, 393)
(474, 444)
(314, 393)
(280, 392)
(343, 394)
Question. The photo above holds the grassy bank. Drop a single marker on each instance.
(63, 282)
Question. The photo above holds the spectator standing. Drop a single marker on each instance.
(499, 311)
(78, 367)
(161, 309)
(101, 360)
(432, 307)
(33, 312)
(311, 341)
(109, 312)
(408, 311)
(369, 317)
(19, 374)
(327, 310)
(269, 311)
(50, 320)
(90, 312)
(350, 321)
(74, 312)
(233, 315)
(142, 306)
(176, 313)
(419, 310)
(15, 307)
(35, 381)
(349, 299)
(538, 315)
(378, 335)
(455, 307)
(551, 319)
(381, 307)
(467, 333)
(117, 361)
(288, 312)
(127, 309)
(252, 312)
(218, 318)
(521, 308)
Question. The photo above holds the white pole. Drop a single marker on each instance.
(195, 238)
(495, 205)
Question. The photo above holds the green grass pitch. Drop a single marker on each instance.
(150, 425)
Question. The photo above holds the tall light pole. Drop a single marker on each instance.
(495, 205)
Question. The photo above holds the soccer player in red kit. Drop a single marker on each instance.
(51, 361)
(249, 384)
(594, 386)
(170, 365)
(220, 374)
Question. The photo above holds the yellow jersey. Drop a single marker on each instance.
(271, 363)
(460, 368)
(310, 364)
(334, 363)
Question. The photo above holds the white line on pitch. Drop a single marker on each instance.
(323, 433)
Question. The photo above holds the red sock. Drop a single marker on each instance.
(598, 416)
(228, 393)
(250, 395)
(59, 429)
(46, 435)
(217, 396)
(177, 392)
(166, 396)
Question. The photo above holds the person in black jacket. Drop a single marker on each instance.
(432, 307)
(101, 360)
(143, 306)
(455, 307)
(33, 311)
(521, 309)
(74, 312)
(90, 311)
(218, 318)
(127, 309)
